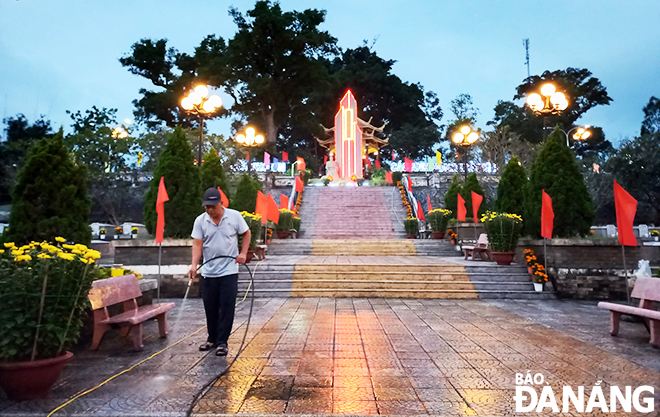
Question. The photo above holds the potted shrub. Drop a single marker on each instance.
(655, 234)
(285, 223)
(452, 236)
(103, 233)
(503, 231)
(438, 219)
(539, 277)
(295, 224)
(43, 288)
(118, 231)
(134, 232)
(530, 260)
(254, 223)
(411, 225)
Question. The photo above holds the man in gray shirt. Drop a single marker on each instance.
(215, 233)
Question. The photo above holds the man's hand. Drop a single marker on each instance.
(192, 273)
(241, 258)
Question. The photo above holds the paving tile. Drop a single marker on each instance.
(354, 407)
(401, 408)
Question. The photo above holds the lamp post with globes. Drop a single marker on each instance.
(198, 102)
(119, 132)
(581, 133)
(249, 139)
(550, 101)
(465, 136)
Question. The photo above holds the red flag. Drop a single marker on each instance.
(378, 164)
(420, 211)
(409, 184)
(160, 209)
(461, 211)
(368, 162)
(547, 216)
(301, 163)
(626, 208)
(266, 158)
(299, 184)
(428, 202)
(262, 207)
(476, 203)
(408, 164)
(392, 154)
(285, 157)
(223, 198)
(388, 177)
(325, 159)
(273, 210)
(284, 201)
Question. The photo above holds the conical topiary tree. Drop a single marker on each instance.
(451, 196)
(212, 172)
(183, 188)
(511, 189)
(556, 171)
(472, 184)
(50, 197)
(246, 194)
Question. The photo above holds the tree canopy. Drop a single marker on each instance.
(651, 123)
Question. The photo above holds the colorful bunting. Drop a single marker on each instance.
(438, 158)
(266, 158)
(285, 157)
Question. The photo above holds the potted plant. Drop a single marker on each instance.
(655, 234)
(254, 223)
(284, 224)
(118, 231)
(539, 277)
(134, 232)
(452, 236)
(438, 219)
(503, 231)
(295, 225)
(43, 288)
(530, 260)
(411, 224)
(103, 233)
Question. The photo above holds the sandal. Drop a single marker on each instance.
(222, 350)
(206, 346)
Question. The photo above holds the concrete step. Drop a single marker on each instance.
(384, 293)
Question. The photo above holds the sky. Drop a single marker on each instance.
(63, 55)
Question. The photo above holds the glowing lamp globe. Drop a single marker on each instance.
(208, 107)
(579, 131)
(534, 100)
(472, 137)
(259, 139)
(250, 131)
(216, 101)
(240, 138)
(202, 90)
(195, 98)
(563, 105)
(458, 138)
(465, 130)
(586, 134)
(548, 89)
(187, 103)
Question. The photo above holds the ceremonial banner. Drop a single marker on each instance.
(547, 216)
(262, 207)
(409, 184)
(284, 201)
(461, 211)
(378, 164)
(420, 212)
(223, 198)
(408, 164)
(299, 184)
(428, 202)
(438, 157)
(285, 157)
(266, 158)
(388, 177)
(273, 210)
(626, 208)
(160, 209)
(476, 203)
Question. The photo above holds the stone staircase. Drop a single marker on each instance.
(412, 247)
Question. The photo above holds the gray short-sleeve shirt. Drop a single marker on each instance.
(220, 239)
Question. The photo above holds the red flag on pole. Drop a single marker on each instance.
(547, 216)
(409, 184)
(223, 198)
(476, 203)
(368, 162)
(388, 177)
(393, 155)
(284, 201)
(325, 159)
(285, 157)
(428, 202)
(408, 164)
(266, 158)
(262, 207)
(461, 211)
(301, 164)
(273, 210)
(299, 184)
(626, 208)
(160, 209)
(378, 164)
(420, 211)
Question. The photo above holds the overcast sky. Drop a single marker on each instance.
(63, 55)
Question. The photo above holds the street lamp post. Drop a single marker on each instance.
(198, 102)
(249, 139)
(581, 133)
(465, 136)
(550, 101)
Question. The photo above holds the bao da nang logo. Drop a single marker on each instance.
(534, 395)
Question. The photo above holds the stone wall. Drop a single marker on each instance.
(589, 269)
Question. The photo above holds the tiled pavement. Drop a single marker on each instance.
(361, 356)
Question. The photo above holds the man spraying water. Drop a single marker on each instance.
(215, 234)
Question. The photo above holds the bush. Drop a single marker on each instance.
(451, 196)
(212, 173)
(511, 189)
(472, 184)
(246, 193)
(286, 220)
(438, 219)
(254, 223)
(183, 188)
(50, 197)
(397, 176)
(556, 171)
(503, 230)
(295, 223)
(305, 176)
(411, 224)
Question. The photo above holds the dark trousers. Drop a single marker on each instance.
(219, 295)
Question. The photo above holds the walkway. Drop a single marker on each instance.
(357, 356)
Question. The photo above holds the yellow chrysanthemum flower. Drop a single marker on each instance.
(84, 260)
(52, 249)
(67, 246)
(66, 256)
(43, 256)
(92, 254)
(9, 245)
(77, 251)
(17, 252)
(2, 251)
(23, 258)
(60, 239)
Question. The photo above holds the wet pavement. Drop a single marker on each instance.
(359, 356)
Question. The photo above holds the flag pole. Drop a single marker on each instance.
(625, 272)
(160, 253)
(545, 254)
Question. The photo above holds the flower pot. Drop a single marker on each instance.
(538, 286)
(31, 379)
(102, 236)
(503, 258)
(438, 235)
(282, 234)
(656, 238)
(250, 255)
(453, 241)
(409, 236)
(530, 271)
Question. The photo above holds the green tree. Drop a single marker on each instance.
(212, 172)
(183, 188)
(651, 123)
(50, 198)
(472, 184)
(511, 188)
(246, 193)
(556, 171)
(451, 196)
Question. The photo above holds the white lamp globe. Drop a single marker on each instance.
(548, 89)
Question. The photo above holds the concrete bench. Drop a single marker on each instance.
(480, 248)
(648, 291)
(124, 289)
